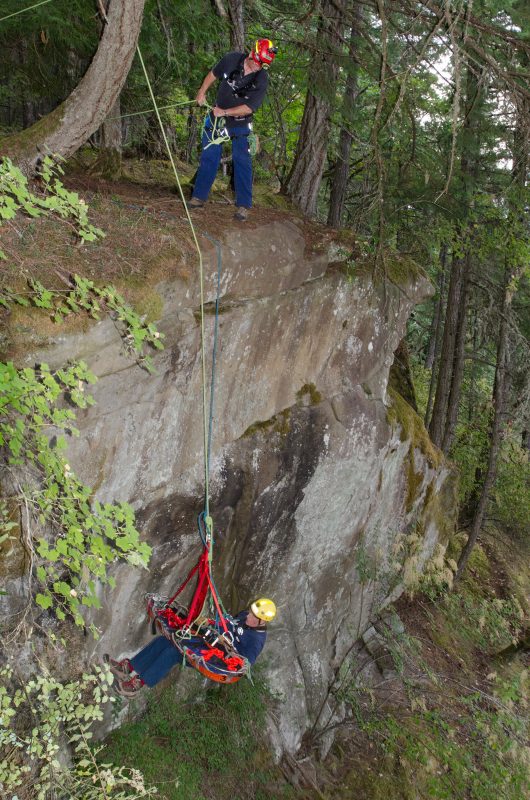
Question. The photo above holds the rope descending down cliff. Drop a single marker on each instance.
(193, 622)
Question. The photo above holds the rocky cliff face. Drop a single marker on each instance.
(326, 492)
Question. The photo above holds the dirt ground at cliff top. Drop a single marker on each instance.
(147, 234)
(147, 239)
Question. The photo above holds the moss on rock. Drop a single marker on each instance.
(414, 481)
(412, 428)
(402, 269)
(280, 423)
(309, 391)
(398, 269)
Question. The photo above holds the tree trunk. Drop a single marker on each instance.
(469, 167)
(450, 374)
(434, 338)
(342, 167)
(108, 162)
(495, 436)
(68, 127)
(27, 106)
(310, 157)
(445, 370)
(453, 403)
(435, 341)
(237, 24)
(517, 228)
(167, 32)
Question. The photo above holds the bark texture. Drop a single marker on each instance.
(451, 369)
(435, 342)
(342, 166)
(68, 127)
(108, 162)
(237, 24)
(495, 436)
(445, 370)
(306, 174)
(513, 271)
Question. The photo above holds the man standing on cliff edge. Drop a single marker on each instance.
(243, 85)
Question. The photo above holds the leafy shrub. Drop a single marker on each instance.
(37, 718)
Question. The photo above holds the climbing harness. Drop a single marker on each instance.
(217, 133)
(204, 640)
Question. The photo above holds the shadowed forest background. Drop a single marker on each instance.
(404, 128)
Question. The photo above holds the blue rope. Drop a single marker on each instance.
(202, 516)
(201, 519)
(215, 341)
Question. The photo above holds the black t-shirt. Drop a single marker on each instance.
(238, 89)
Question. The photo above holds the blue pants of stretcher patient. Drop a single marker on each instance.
(155, 660)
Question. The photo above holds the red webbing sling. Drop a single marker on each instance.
(202, 567)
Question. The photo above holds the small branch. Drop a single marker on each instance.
(221, 10)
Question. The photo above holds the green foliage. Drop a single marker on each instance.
(470, 451)
(15, 195)
(446, 745)
(71, 539)
(483, 759)
(510, 499)
(85, 296)
(44, 53)
(79, 538)
(6, 523)
(489, 624)
(459, 728)
(200, 748)
(37, 718)
(512, 488)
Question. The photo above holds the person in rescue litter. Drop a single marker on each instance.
(151, 664)
(243, 85)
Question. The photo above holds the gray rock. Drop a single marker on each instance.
(308, 476)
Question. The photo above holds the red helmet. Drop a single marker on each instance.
(263, 52)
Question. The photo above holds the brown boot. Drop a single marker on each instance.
(131, 687)
(120, 669)
(241, 214)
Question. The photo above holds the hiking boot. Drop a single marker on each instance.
(241, 214)
(120, 669)
(196, 203)
(131, 687)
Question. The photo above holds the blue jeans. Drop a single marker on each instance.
(155, 660)
(211, 158)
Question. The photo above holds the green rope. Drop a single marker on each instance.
(218, 133)
(150, 110)
(22, 10)
(207, 519)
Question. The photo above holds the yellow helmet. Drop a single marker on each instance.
(264, 609)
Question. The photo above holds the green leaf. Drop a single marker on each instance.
(44, 601)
